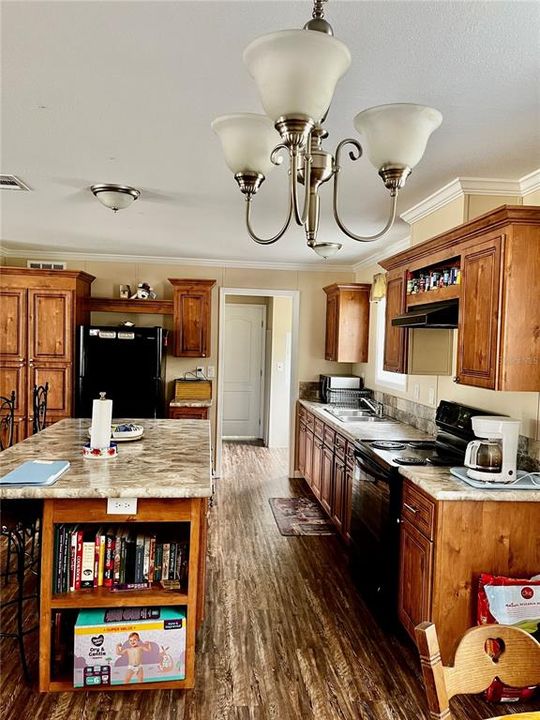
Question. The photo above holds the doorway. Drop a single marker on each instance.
(257, 377)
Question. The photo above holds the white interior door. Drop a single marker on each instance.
(244, 333)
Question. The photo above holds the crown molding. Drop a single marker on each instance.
(461, 186)
(12, 251)
(383, 252)
(530, 183)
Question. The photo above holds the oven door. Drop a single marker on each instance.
(375, 533)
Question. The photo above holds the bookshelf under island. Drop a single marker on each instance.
(168, 473)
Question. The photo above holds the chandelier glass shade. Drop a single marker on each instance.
(296, 73)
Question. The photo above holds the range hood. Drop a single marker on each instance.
(434, 315)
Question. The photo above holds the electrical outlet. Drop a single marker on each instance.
(121, 506)
(200, 371)
(211, 372)
(432, 396)
(416, 391)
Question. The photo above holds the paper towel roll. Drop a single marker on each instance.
(100, 435)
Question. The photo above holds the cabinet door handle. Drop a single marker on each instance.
(410, 508)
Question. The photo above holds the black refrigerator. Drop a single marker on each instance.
(126, 363)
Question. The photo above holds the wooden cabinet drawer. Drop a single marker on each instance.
(329, 436)
(418, 510)
(349, 453)
(187, 413)
(318, 428)
(340, 446)
(309, 420)
(302, 412)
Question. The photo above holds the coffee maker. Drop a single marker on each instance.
(494, 458)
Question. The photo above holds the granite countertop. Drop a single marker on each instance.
(190, 403)
(172, 460)
(387, 429)
(435, 481)
(440, 484)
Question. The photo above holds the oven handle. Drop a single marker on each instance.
(372, 475)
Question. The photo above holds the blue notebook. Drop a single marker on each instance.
(36, 472)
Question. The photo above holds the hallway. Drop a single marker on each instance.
(286, 635)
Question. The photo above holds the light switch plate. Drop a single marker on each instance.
(121, 506)
(211, 372)
(416, 391)
(432, 396)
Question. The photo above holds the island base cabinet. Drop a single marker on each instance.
(162, 516)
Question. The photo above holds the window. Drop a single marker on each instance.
(397, 381)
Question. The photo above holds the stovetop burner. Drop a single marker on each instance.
(409, 460)
(421, 444)
(387, 445)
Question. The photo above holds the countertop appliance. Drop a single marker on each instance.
(376, 500)
(337, 388)
(126, 363)
(493, 459)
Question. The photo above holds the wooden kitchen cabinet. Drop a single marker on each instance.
(326, 459)
(327, 476)
(415, 577)
(498, 255)
(347, 322)
(188, 413)
(395, 338)
(446, 545)
(192, 306)
(479, 310)
(39, 313)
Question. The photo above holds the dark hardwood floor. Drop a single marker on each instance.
(286, 636)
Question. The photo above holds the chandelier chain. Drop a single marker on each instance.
(318, 9)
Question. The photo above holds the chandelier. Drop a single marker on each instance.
(296, 72)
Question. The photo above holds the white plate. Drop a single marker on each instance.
(126, 435)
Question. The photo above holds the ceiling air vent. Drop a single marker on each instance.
(45, 265)
(10, 182)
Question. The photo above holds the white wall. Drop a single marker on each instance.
(280, 370)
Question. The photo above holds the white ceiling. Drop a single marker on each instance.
(125, 92)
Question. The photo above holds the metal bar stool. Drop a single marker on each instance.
(19, 521)
(40, 395)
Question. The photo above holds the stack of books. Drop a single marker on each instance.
(116, 558)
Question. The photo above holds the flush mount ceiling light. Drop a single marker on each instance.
(115, 197)
(296, 72)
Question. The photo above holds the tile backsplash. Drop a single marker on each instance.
(423, 417)
(309, 391)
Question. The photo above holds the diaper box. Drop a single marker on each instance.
(124, 646)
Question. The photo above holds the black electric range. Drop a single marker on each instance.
(376, 499)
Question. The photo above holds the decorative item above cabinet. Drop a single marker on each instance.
(347, 322)
(192, 306)
(497, 260)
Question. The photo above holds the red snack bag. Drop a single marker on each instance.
(509, 601)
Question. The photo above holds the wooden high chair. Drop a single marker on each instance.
(517, 664)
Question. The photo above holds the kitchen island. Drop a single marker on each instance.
(165, 476)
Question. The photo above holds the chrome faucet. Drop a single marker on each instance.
(374, 405)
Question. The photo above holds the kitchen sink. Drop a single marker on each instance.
(350, 415)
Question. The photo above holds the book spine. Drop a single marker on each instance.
(87, 567)
(61, 553)
(117, 555)
(152, 559)
(146, 559)
(72, 560)
(109, 561)
(158, 563)
(166, 558)
(78, 560)
(122, 573)
(139, 559)
(55, 558)
(97, 543)
(131, 586)
(172, 562)
(101, 564)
